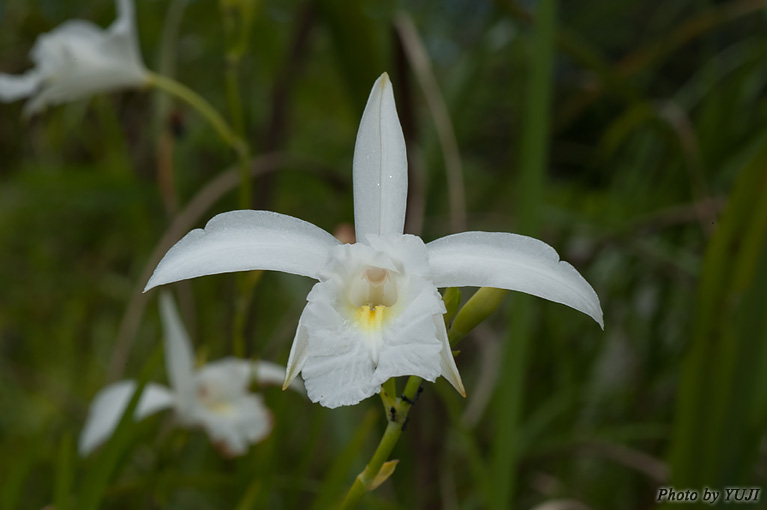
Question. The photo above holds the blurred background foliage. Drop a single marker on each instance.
(653, 183)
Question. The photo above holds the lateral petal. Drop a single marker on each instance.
(266, 372)
(243, 241)
(513, 262)
(235, 374)
(235, 369)
(109, 405)
(179, 358)
(298, 353)
(15, 87)
(380, 166)
(447, 361)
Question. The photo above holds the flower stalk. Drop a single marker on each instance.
(378, 469)
(203, 107)
(231, 12)
(477, 309)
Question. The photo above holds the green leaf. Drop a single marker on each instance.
(532, 178)
(337, 474)
(721, 412)
(64, 471)
(108, 458)
(358, 52)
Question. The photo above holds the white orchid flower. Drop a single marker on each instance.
(376, 312)
(78, 59)
(215, 397)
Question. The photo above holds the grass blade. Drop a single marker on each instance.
(534, 150)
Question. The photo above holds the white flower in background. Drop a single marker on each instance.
(376, 312)
(78, 59)
(215, 397)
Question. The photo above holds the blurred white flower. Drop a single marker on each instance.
(376, 312)
(215, 397)
(78, 59)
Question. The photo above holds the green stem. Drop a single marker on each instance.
(516, 351)
(365, 480)
(241, 303)
(233, 92)
(205, 109)
(390, 388)
(246, 284)
(234, 18)
(234, 140)
(243, 164)
(235, 105)
(484, 302)
(166, 66)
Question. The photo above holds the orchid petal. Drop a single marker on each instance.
(410, 343)
(447, 361)
(13, 88)
(122, 39)
(246, 240)
(225, 378)
(110, 403)
(126, 19)
(179, 358)
(243, 421)
(336, 360)
(298, 353)
(380, 166)
(340, 378)
(513, 262)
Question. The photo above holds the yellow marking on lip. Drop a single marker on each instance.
(214, 405)
(371, 320)
(220, 407)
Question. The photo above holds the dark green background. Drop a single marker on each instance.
(645, 167)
